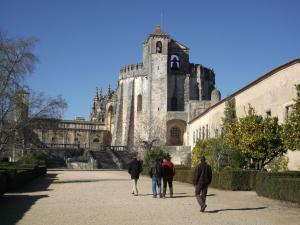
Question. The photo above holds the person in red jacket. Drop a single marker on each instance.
(168, 172)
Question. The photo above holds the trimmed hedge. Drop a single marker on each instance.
(184, 175)
(234, 180)
(13, 175)
(3, 183)
(227, 179)
(282, 186)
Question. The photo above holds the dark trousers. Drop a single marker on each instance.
(201, 192)
(168, 181)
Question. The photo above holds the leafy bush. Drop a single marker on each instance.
(34, 158)
(217, 154)
(235, 180)
(184, 175)
(283, 186)
(154, 154)
(278, 164)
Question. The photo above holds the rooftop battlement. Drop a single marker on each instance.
(131, 70)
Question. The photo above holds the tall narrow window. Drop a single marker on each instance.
(194, 138)
(174, 104)
(288, 110)
(139, 103)
(206, 131)
(158, 47)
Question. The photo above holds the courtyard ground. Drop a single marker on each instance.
(104, 197)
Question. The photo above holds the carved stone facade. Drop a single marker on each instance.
(156, 97)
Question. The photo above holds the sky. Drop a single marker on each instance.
(84, 43)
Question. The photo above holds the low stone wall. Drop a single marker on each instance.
(89, 165)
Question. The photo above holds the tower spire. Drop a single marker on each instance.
(101, 93)
(96, 95)
(109, 91)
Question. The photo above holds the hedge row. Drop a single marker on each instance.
(13, 177)
(282, 186)
(234, 180)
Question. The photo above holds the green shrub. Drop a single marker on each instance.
(234, 180)
(184, 175)
(153, 155)
(34, 157)
(283, 186)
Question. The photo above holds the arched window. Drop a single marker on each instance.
(175, 132)
(158, 47)
(139, 103)
(96, 140)
(175, 62)
(54, 140)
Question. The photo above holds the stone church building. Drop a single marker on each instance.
(171, 102)
(157, 97)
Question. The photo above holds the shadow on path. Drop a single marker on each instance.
(88, 181)
(240, 209)
(190, 196)
(13, 207)
(40, 184)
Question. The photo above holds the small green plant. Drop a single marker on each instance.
(153, 155)
(34, 158)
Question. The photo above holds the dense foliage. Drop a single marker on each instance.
(291, 128)
(257, 138)
(217, 154)
(153, 155)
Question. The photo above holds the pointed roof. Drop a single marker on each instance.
(158, 32)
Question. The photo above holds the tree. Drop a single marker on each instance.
(229, 113)
(149, 134)
(218, 155)
(257, 138)
(18, 112)
(291, 128)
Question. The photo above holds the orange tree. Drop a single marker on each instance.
(291, 128)
(257, 138)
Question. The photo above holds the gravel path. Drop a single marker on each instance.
(103, 197)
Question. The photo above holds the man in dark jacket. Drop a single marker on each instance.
(155, 173)
(202, 178)
(135, 168)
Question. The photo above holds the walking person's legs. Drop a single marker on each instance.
(135, 186)
(203, 194)
(164, 187)
(154, 186)
(200, 193)
(170, 183)
(159, 186)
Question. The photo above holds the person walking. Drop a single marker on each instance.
(168, 172)
(202, 178)
(135, 168)
(155, 173)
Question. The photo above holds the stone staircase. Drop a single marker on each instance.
(108, 159)
(105, 159)
(125, 157)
